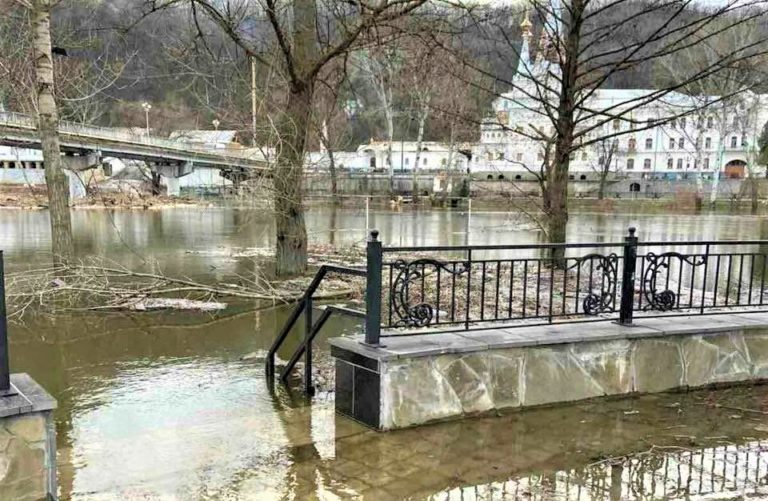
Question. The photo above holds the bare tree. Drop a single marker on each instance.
(307, 35)
(605, 153)
(559, 90)
(381, 66)
(723, 98)
(48, 128)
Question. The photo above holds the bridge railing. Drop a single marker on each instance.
(413, 290)
(29, 122)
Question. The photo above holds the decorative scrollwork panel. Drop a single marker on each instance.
(657, 269)
(411, 308)
(605, 274)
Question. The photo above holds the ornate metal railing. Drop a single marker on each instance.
(444, 288)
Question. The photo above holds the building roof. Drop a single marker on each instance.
(405, 145)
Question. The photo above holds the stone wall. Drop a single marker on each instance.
(27, 443)
(420, 379)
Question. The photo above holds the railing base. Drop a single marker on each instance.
(9, 392)
(373, 345)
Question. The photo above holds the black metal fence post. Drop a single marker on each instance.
(628, 278)
(5, 373)
(373, 290)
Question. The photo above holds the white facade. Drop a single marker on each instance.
(21, 166)
(709, 138)
(374, 157)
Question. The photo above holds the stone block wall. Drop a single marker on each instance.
(25, 459)
(27, 443)
(536, 367)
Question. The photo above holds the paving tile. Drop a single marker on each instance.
(694, 324)
(500, 338)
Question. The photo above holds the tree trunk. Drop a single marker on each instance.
(753, 193)
(556, 198)
(291, 252)
(48, 128)
(290, 228)
(601, 188)
(390, 135)
(419, 140)
(326, 141)
(157, 188)
(556, 204)
(334, 179)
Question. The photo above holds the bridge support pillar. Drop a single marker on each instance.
(78, 169)
(171, 174)
(76, 184)
(173, 186)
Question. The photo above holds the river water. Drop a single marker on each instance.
(175, 406)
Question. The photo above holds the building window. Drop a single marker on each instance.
(682, 123)
(630, 163)
(710, 123)
(673, 124)
(706, 163)
(708, 143)
(540, 156)
(583, 155)
(583, 177)
(681, 143)
(647, 164)
(744, 141)
(734, 139)
(632, 144)
(424, 162)
(670, 162)
(671, 143)
(519, 157)
(679, 164)
(649, 144)
(616, 124)
(735, 122)
(600, 160)
(407, 160)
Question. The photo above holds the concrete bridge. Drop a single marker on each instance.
(84, 147)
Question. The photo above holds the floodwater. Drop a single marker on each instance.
(175, 406)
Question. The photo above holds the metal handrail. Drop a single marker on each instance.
(329, 310)
(311, 329)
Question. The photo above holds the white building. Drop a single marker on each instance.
(374, 157)
(21, 166)
(709, 138)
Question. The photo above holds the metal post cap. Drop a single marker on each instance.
(374, 235)
(632, 230)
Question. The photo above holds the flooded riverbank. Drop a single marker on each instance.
(174, 406)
